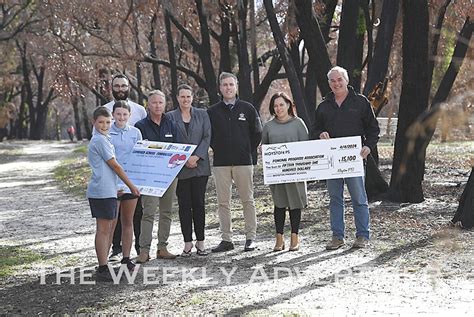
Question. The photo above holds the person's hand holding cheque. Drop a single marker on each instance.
(135, 191)
(365, 152)
(192, 161)
(324, 135)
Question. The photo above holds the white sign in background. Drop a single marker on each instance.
(312, 160)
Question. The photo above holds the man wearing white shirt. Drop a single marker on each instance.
(121, 91)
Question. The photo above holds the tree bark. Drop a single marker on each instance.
(358, 52)
(436, 37)
(153, 53)
(409, 157)
(375, 184)
(38, 130)
(245, 82)
(327, 19)
(383, 45)
(427, 120)
(253, 45)
(205, 54)
(172, 59)
(319, 62)
(22, 125)
(223, 39)
(77, 117)
(347, 41)
(465, 211)
(261, 90)
(85, 119)
(203, 49)
(287, 63)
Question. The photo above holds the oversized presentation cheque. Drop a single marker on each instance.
(152, 166)
(312, 160)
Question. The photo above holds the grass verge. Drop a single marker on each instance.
(74, 172)
(13, 258)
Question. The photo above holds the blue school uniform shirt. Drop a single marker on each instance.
(123, 141)
(103, 182)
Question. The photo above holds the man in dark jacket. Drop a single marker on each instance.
(157, 127)
(236, 133)
(345, 113)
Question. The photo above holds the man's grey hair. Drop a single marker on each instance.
(225, 75)
(156, 92)
(340, 70)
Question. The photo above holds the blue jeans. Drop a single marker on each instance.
(356, 188)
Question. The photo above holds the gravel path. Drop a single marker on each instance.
(414, 265)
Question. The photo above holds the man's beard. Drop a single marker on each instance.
(120, 95)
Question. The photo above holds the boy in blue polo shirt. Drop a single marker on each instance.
(102, 188)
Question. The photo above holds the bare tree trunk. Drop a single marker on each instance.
(427, 121)
(153, 53)
(347, 41)
(409, 157)
(319, 62)
(224, 39)
(38, 130)
(22, 124)
(172, 58)
(85, 120)
(436, 37)
(327, 19)
(262, 89)
(296, 89)
(358, 52)
(383, 45)
(204, 51)
(465, 211)
(77, 117)
(253, 46)
(245, 82)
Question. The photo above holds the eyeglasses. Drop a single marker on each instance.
(124, 86)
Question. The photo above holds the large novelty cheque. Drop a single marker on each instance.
(152, 166)
(312, 160)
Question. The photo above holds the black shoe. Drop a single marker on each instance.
(103, 276)
(131, 266)
(224, 246)
(249, 245)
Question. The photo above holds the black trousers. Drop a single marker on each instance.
(279, 215)
(137, 219)
(191, 193)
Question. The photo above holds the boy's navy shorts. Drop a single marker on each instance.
(104, 208)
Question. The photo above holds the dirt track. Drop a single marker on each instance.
(414, 265)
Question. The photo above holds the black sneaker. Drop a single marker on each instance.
(224, 246)
(249, 245)
(131, 266)
(103, 276)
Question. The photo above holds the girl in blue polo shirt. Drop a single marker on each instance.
(124, 138)
(102, 188)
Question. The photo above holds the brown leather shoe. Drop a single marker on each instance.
(279, 243)
(143, 257)
(164, 254)
(295, 242)
(334, 244)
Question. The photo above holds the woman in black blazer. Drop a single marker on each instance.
(193, 127)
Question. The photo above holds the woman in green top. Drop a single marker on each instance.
(283, 128)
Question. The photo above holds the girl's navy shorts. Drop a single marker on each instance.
(104, 208)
